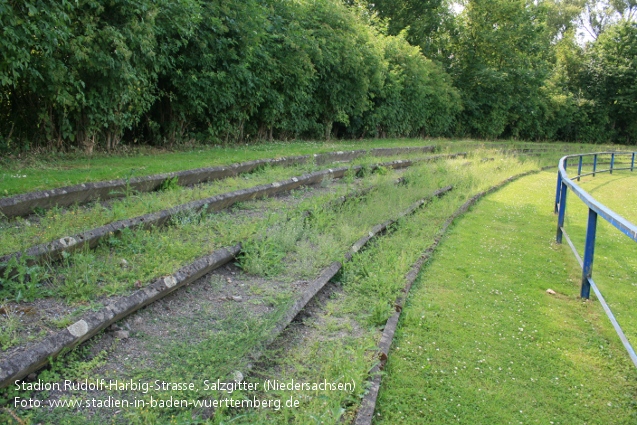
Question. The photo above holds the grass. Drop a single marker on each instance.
(308, 245)
(327, 234)
(9, 324)
(19, 233)
(343, 337)
(615, 263)
(148, 254)
(19, 174)
(612, 189)
(37, 172)
(482, 342)
(294, 247)
(337, 344)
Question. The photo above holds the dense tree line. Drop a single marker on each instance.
(520, 71)
(87, 73)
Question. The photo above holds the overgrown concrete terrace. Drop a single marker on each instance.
(132, 263)
(45, 226)
(320, 245)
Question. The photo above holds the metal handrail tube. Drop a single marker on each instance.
(625, 226)
(595, 209)
(602, 171)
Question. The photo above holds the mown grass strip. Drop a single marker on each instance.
(483, 342)
(366, 411)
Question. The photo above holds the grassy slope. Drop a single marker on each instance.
(370, 303)
(46, 173)
(333, 362)
(21, 233)
(36, 172)
(481, 342)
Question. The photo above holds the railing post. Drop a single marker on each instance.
(561, 213)
(589, 252)
(594, 164)
(557, 190)
(579, 167)
(612, 162)
(632, 162)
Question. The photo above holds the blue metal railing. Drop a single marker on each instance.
(595, 209)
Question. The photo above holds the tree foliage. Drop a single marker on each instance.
(92, 72)
(500, 63)
(85, 73)
(611, 78)
(416, 98)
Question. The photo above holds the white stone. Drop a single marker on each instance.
(78, 329)
(67, 241)
(170, 281)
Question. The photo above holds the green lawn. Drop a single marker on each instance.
(306, 246)
(482, 342)
(615, 262)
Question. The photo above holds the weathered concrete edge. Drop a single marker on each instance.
(330, 271)
(41, 353)
(365, 413)
(24, 362)
(52, 251)
(26, 203)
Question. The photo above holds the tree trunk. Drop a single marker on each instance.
(241, 131)
(89, 144)
(328, 130)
